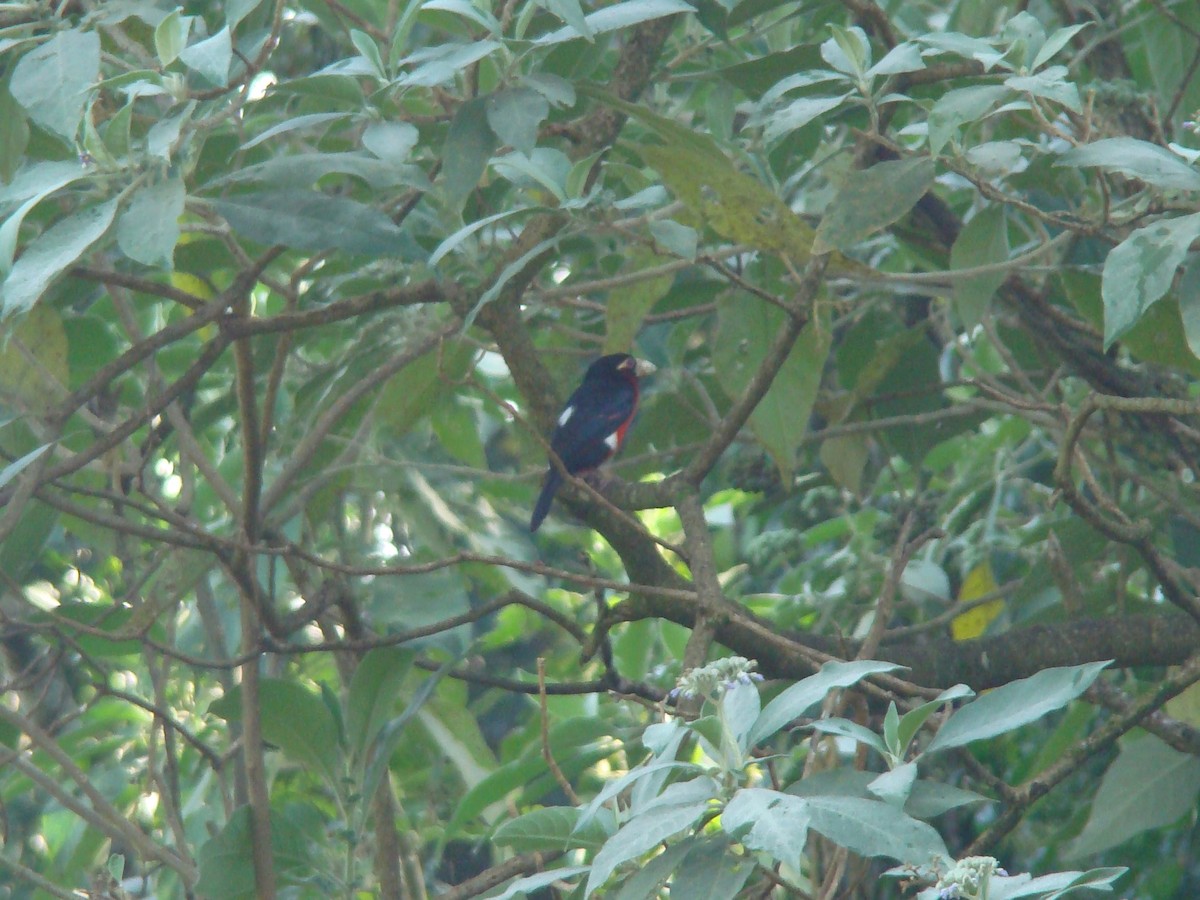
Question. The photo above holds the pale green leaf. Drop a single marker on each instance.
(852, 730)
(17, 466)
(148, 229)
(1015, 704)
(618, 16)
(872, 199)
(170, 36)
(770, 822)
(797, 114)
(527, 885)
(959, 107)
(440, 63)
(309, 220)
(711, 872)
(210, 57)
(982, 241)
(469, 145)
(515, 114)
(1149, 785)
(51, 81)
(1189, 305)
(640, 835)
(552, 828)
(1139, 271)
(872, 828)
(571, 12)
(802, 696)
(1137, 159)
(49, 255)
(392, 142)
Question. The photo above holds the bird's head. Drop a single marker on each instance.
(620, 364)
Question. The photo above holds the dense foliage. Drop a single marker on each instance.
(292, 293)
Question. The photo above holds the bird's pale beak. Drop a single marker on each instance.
(644, 367)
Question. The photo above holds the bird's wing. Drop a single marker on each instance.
(590, 417)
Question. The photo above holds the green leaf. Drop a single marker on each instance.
(802, 696)
(627, 307)
(51, 81)
(50, 254)
(1055, 886)
(678, 239)
(711, 872)
(148, 229)
(226, 861)
(14, 134)
(469, 145)
(872, 199)
(1140, 270)
(911, 722)
(576, 740)
(571, 12)
(210, 57)
(848, 51)
(369, 50)
(872, 828)
(411, 393)
(1189, 305)
(959, 107)
(633, 777)
(372, 696)
(615, 17)
(523, 887)
(17, 466)
(170, 36)
(392, 732)
(1056, 42)
(640, 835)
(1136, 159)
(551, 828)
(451, 242)
(1051, 84)
(236, 10)
(515, 114)
(544, 167)
(307, 121)
(1015, 704)
(558, 91)
(982, 241)
(895, 786)
(440, 63)
(294, 719)
(769, 822)
(391, 141)
(747, 328)
(1149, 785)
(797, 114)
(852, 730)
(306, 169)
(309, 220)
(905, 57)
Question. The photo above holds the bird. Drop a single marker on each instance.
(592, 425)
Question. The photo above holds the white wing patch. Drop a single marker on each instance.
(611, 442)
(565, 416)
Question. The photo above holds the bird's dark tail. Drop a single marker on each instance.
(545, 498)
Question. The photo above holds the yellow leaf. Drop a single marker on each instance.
(980, 582)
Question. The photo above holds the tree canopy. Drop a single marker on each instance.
(894, 587)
